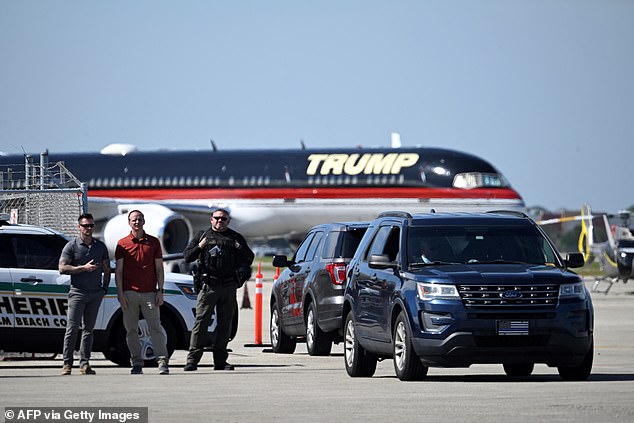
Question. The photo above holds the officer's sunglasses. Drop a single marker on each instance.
(87, 225)
(220, 218)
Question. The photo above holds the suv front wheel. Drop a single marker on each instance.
(317, 341)
(406, 363)
(580, 372)
(359, 362)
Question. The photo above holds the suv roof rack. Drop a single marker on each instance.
(395, 213)
(511, 212)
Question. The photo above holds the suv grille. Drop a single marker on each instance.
(545, 295)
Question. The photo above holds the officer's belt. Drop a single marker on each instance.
(211, 280)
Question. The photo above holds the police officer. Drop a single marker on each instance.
(224, 263)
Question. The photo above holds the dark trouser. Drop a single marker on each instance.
(83, 307)
(223, 297)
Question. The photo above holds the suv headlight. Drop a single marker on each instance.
(433, 291)
(572, 290)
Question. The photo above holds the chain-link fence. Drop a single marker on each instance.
(42, 195)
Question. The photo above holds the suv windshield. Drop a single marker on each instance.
(478, 244)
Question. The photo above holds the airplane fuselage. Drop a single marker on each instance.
(282, 192)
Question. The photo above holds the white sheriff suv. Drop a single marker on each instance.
(34, 301)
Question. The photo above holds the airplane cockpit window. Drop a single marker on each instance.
(479, 180)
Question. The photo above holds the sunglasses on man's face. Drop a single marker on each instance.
(220, 218)
(87, 225)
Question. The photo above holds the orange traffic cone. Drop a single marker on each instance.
(258, 306)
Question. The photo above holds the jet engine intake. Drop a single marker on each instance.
(172, 229)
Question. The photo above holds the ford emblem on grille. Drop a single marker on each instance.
(511, 295)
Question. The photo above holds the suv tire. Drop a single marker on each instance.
(317, 341)
(580, 372)
(359, 362)
(407, 365)
(281, 343)
(518, 369)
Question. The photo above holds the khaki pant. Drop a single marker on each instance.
(144, 302)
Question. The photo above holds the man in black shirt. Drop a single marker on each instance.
(224, 264)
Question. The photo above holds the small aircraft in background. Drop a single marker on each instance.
(611, 245)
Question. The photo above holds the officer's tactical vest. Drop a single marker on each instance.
(219, 256)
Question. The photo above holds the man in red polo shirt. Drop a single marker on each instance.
(139, 277)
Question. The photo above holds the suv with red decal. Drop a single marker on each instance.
(452, 290)
(307, 296)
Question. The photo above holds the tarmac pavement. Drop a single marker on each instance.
(267, 387)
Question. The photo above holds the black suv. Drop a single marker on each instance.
(306, 299)
(452, 290)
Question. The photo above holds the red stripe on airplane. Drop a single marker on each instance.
(321, 192)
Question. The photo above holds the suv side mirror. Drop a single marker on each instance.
(381, 261)
(574, 260)
(282, 261)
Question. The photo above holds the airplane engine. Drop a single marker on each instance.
(172, 229)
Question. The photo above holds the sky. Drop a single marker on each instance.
(542, 89)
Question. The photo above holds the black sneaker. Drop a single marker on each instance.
(190, 367)
(227, 366)
(136, 370)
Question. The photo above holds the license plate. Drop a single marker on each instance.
(512, 327)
